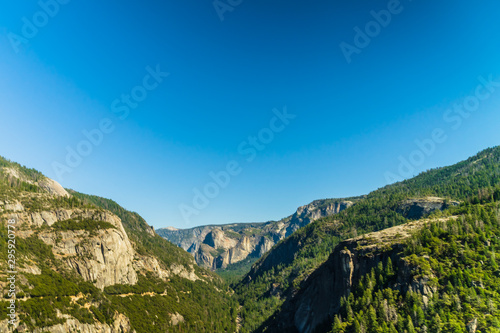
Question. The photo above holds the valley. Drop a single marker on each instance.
(414, 256)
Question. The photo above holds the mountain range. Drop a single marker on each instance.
(414, 256)
(219, 246)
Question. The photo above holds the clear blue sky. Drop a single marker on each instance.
(354, 121)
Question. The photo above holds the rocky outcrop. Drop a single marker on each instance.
(150, 264)
(472, 326)
(314, 211)
(187, 239)
(217, 247)
(176, 319)
(49, 185)
(13, 206)
(265, 246)
(102, 256)
(204, 258)
(71, 325)
(53, 187)
(414, 209)
(52, 216)
(218, 240)
(184, 272)
(319, 296)
(239, 252)
(105, 258)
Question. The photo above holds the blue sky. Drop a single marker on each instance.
(354, 121)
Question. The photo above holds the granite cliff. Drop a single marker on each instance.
(218, 246)
(318, 299)
(85, 264)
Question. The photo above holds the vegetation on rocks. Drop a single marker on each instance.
(278, 275)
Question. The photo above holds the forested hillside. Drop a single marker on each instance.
(277, 276)
(86, 264)
(457, 262)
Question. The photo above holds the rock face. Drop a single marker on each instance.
(103, 256)
(14, 206)
(120, 325)
(49, 185)
(218, 240)
(53, 187)
(176, 319)
(472, 326)
(414, 209)
(74, 237)
(217, 247)
(319, 297)
(314, 211)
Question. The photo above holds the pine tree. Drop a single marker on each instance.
(357, 326)
(337, 325)
(372, 318)
(436, 324)
(410, 328)
(350, 313)
(389, 270)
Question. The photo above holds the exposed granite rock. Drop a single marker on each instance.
(72, 325)
(217, 247)
(183, 272)
(318, 299)
(218, 240)
(204, 258)
(14, 206)
(419, 208)
(472, 326)
(265, 246)
(53, 187)
(314, 211)
(49, 185)
(244, 247)
(104, 257)
(188, 239)
(150, 264)
(176, 319)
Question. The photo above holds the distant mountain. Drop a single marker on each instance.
(219, 246)
(303, 284)
(85, 264)
(415, 256)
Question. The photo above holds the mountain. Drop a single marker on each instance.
(85, 264)
(295, 287)
(430, 275)
(415, 256)
(218, 246)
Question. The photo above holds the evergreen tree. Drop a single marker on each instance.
(337, 325)
(409, 326)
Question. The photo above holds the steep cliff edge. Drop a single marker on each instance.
(433, 275)
(418, 208)
(313, 307)
(445, 251)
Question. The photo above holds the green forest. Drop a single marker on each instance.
(457, 257)
(279, 273)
